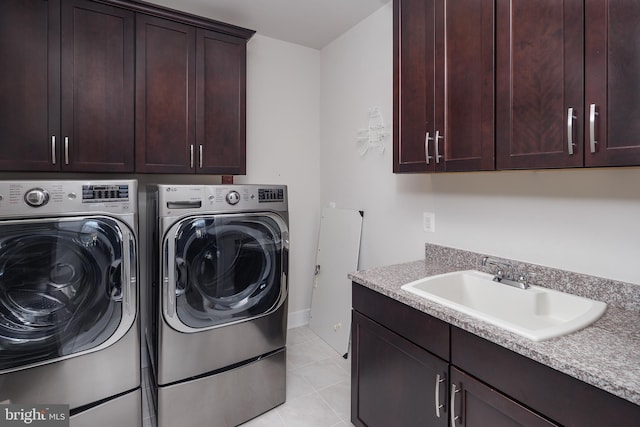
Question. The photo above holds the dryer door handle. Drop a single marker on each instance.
(168, 280)
(182, 276)
(122, 276)
(131, 268)
(114, 281)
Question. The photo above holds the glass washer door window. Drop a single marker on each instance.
(61, 287)
(227, 268)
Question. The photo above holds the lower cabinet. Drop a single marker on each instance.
(474, 403)
(394, 382)
(411, 369)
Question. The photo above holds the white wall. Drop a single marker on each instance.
(357, 72)
(580, 220)
(283, 145)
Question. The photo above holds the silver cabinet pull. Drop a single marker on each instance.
(438, 406)
(66, 150)
(592, 127)
(454, 417)
(570, 118)
(427, 157)
(191, 156)
(200, 155)
(53, 149)
(438, 156)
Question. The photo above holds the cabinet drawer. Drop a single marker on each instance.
(426, 331)
(558, 396)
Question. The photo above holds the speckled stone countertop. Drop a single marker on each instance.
(605, 354)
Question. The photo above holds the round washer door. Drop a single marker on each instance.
(62, 288)
(228, 268)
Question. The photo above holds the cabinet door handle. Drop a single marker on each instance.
(427, 157)
(592, 127)
(438, 406)
(191, 156)
(200, 156)
(570, 118)
(454, 417)
(53, 149)
(66, 150)
(438, 136)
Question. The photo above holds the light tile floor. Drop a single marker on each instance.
(318, 386)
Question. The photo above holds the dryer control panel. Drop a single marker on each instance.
(270, 195)
(185, 199)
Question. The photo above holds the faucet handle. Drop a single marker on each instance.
(524, 279)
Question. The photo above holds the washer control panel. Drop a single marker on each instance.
(24, 198)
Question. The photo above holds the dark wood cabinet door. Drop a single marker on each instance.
(29, 85)
(612, 86)
(165, 96)
(97, 68)
(221, 103)
(393, 381)
(539, 77)
(476, 404)
(414, 85)
(465, 86)
(443, 85)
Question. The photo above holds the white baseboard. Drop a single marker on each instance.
(298, 318)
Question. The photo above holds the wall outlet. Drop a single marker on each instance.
(429, 222)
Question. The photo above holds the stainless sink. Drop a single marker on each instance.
(536, 313)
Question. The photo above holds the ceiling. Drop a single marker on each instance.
(311, 23)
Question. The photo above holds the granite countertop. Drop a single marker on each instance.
(605, 354)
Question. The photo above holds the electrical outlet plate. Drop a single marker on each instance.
(429, 222)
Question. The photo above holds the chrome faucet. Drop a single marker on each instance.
(506, 274)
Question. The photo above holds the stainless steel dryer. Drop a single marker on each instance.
(69, 330)
(219, 302)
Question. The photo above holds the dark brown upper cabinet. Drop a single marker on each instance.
(165, 95)
(443, 85)
(568, 93)
(510, 84)
(540, 82)
(66, 96)
(29, 85)
(611, 114)
(190, 99)
(220, 103)
(97, 88)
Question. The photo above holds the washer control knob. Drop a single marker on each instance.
(36, 197)
(233, 197)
